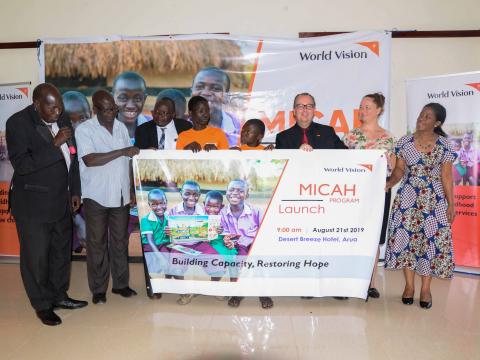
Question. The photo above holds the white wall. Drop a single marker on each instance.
(28, 20)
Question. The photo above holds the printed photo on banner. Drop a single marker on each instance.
(199, 219)
(465, 141)
(241, 77)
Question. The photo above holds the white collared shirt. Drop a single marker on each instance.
(171, 135)
(64, 146)
(105, 184)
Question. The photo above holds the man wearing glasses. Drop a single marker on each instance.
(104, 152)
(305, 134)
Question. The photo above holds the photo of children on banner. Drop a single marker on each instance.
(189, 230)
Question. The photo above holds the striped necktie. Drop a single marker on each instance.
(161, 142)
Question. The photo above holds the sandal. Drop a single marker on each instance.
(266, 302)
(235, 301)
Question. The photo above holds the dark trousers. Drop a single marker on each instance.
(107, 246)
(45, 255)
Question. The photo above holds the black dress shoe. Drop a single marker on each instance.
(426, 304)
(373, 293)
(125, 292)
(407, 301)
(48, 317)
(70, 304)
(99, 298)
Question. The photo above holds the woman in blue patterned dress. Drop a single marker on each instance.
(419, 239)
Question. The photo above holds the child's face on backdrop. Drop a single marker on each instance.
(210, 85)
(158, 204)
(213, 206)
(190, 195)
(236, 193)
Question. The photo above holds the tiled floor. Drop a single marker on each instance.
(140, 328)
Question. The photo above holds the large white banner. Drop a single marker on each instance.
(258, 78)
(460, 95)
(280, 223)
(13, 98)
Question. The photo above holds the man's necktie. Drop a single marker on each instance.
(305, 138)
(50, 128)
(161, 142)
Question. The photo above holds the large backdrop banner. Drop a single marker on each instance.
(460, 94)
(242, 77)
(282, 223)
(13, 97)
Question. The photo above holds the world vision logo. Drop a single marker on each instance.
(448, 93)
(476, 86)
(328, 55)
(24, 90)
(367, 166)
(374, 46)
(347, 169)
(18, 94)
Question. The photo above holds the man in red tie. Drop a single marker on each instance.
(305, 134)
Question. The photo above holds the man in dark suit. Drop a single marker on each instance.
(45, 189)
(162, 132)
(305, 134)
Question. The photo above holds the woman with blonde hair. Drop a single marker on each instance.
(370, 135)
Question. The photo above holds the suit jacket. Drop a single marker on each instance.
(319, 137)
(41, 186)
(146, 134)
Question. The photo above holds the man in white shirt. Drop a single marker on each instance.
(104, 152)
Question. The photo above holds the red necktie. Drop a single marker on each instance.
(305, 138)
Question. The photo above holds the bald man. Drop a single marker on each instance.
(104, 151)
(44, 192)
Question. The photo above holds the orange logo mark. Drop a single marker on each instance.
(372, 45)
(367, 166)
(475, 85)
(24, 90)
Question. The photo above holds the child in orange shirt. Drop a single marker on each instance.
(251, 136)
(200, 136)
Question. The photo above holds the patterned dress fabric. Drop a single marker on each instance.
(419, 236)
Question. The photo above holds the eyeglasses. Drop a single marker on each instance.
(305, 106)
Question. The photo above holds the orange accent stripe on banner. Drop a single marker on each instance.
(475, 86)
(24, 90)
(9, 244)
(266, 210)
(372, 45)
(255, 65)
